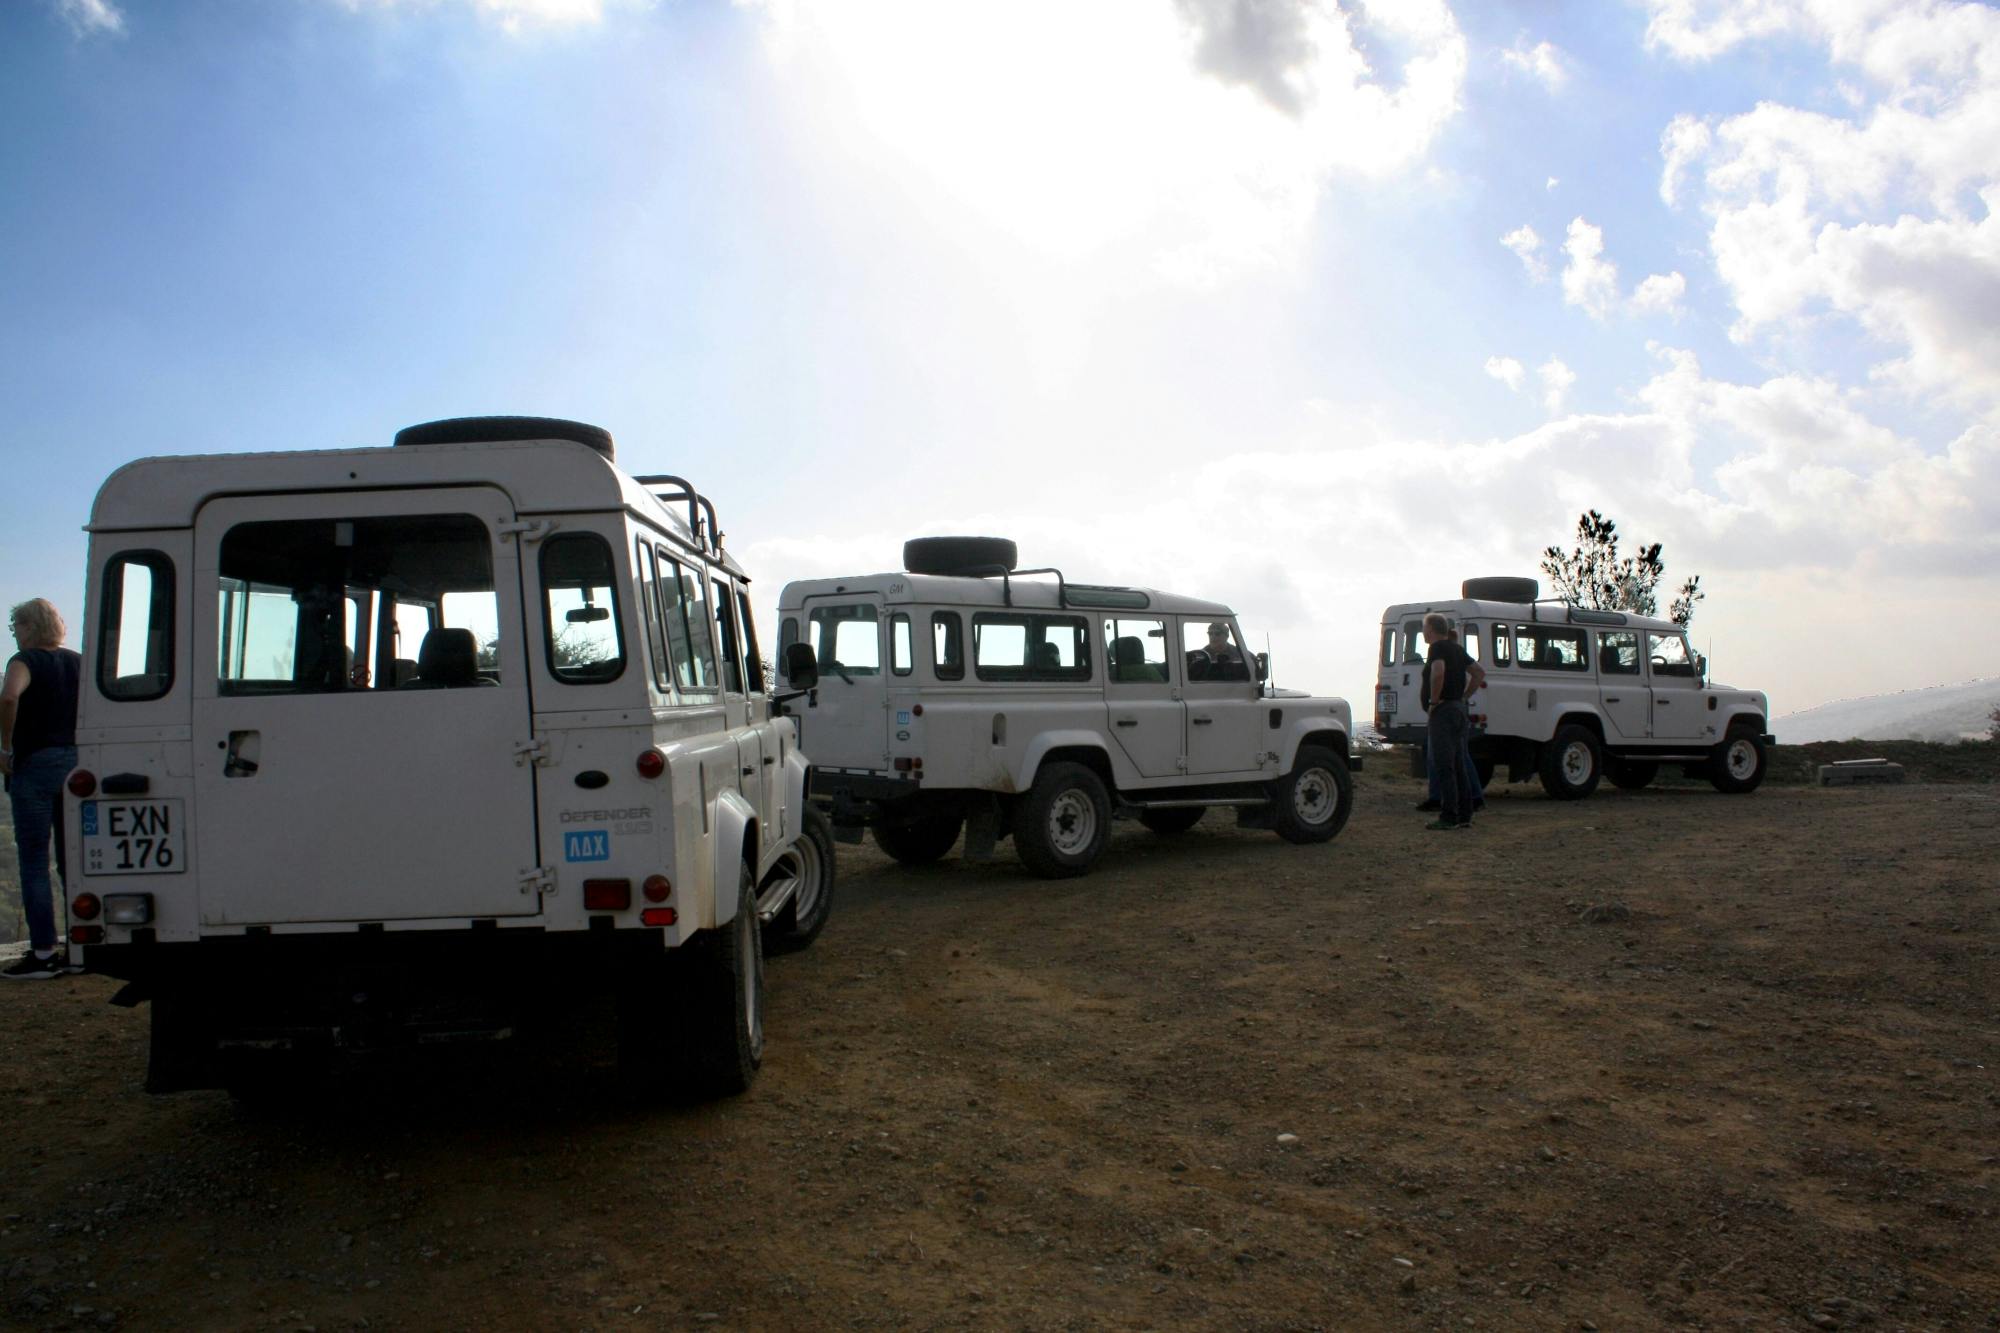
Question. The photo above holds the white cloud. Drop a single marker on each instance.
(89, 17)
(1684, 140)
(1202, 134)
(1589, 280)
(1527, 246)
(1659, 294)
(1553, 182)
(1507, 370)
(1543, 62)
(1557, 380)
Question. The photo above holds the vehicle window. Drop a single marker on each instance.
(1414, 647)
(1020, 646)
(900, 649)
(1135, 651)
(848, 637)
(135, 651)
(1388, 645)
(292, 592)
(1503, 645)
(1211, 653)
(646, 571)
(725, 635)
(1469, 636)
(947, 646)
(689, 641)
(1618, 654)
(753, 663)
(1548, 648)
(586, 642)
(1670, 655)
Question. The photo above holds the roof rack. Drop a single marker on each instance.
(708, 537)
(1099, 595)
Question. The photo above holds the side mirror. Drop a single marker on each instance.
(1263, 667)
(801, 667)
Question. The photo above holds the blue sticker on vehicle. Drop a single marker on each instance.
(902, 717)
(595, 846)
(90, 819)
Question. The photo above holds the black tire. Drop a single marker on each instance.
(1062, 824)
(1312, 802)
(1737, 766)
(1630, 774)
(691, 1021)
(1482, 765)
(1500, 588)
(921, 841)
(1173, 819)
(491, 430)
(802, 919)
(1572, 763)
(959, 555)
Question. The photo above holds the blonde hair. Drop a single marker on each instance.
(1437, 624)
(39, 624)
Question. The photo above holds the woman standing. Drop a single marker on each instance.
(37, 751)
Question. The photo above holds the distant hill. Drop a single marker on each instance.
(1936, 713)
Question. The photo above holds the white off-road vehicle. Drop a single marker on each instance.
(961, 692)
(393, 746)
(1573, 696)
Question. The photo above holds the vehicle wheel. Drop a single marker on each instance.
(1173, 819)
(920, 842)
(812, 902)
(959, 555)
(1312, 802)
(1063, 822)
(1482, 765)
(1738, 764)
(691, 1021)
(1572, 763)
(1630, 774)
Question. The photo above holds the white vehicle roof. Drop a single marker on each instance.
(1036, 590)
(540, 476)
(1526, 613)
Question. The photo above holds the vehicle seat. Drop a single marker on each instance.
(448, 660)
(1047, 657)
(1128, 657)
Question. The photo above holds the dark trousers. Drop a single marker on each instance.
(36, 791)
(1472, 782)
(1450, 726)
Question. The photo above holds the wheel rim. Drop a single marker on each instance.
(1315, 796)
(1072, 822)
(1742, 759)
(1576, 763)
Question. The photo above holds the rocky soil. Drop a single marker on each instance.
(1653, 1059)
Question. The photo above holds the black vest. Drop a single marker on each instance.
(47, 714)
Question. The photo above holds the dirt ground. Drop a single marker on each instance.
(1657, 1058)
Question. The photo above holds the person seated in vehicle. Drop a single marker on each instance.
(1218, 659)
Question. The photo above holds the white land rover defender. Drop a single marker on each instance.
(963, 692)
(1574, 695)
(393, 746)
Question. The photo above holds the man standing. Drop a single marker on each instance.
(1433, 801)
(1446, 671)
(37, 751)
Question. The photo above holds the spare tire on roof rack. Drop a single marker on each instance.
(960, 555)
(494, 430)
(1500, 588)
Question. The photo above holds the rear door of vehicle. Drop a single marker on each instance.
(849, 726)
(1148, 718)
(1621, 685)
(327, 787)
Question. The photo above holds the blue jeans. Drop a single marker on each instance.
(36, 792)
(1449, 726)
(1472, 782)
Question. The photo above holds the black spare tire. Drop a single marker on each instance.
(1500, 588)
(493, 430)
(959, 555)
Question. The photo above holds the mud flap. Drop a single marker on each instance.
(982, 828)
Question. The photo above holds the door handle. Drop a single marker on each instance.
(1664, 703)
(1202, 721)
(768, 761)
(748, 771)
(1128, 722)
(1611, 698)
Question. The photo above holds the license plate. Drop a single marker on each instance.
(133, 838)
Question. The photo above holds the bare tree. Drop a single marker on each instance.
(1993, 725)
(1596, 576)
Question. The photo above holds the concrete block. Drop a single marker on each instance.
(1859, 773)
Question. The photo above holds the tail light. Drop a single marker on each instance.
(657, 888)
(908, 764)
(651, 763)
(84, 907)
(86, 934)
(82, 783)
(659, 916)
(607, 895)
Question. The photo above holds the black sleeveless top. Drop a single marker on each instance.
(47, 713)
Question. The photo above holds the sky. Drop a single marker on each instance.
(1306, 307)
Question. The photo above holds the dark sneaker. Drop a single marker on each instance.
(1441, 825)
(30, 968)
(1466, 825)
(1429, 807)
